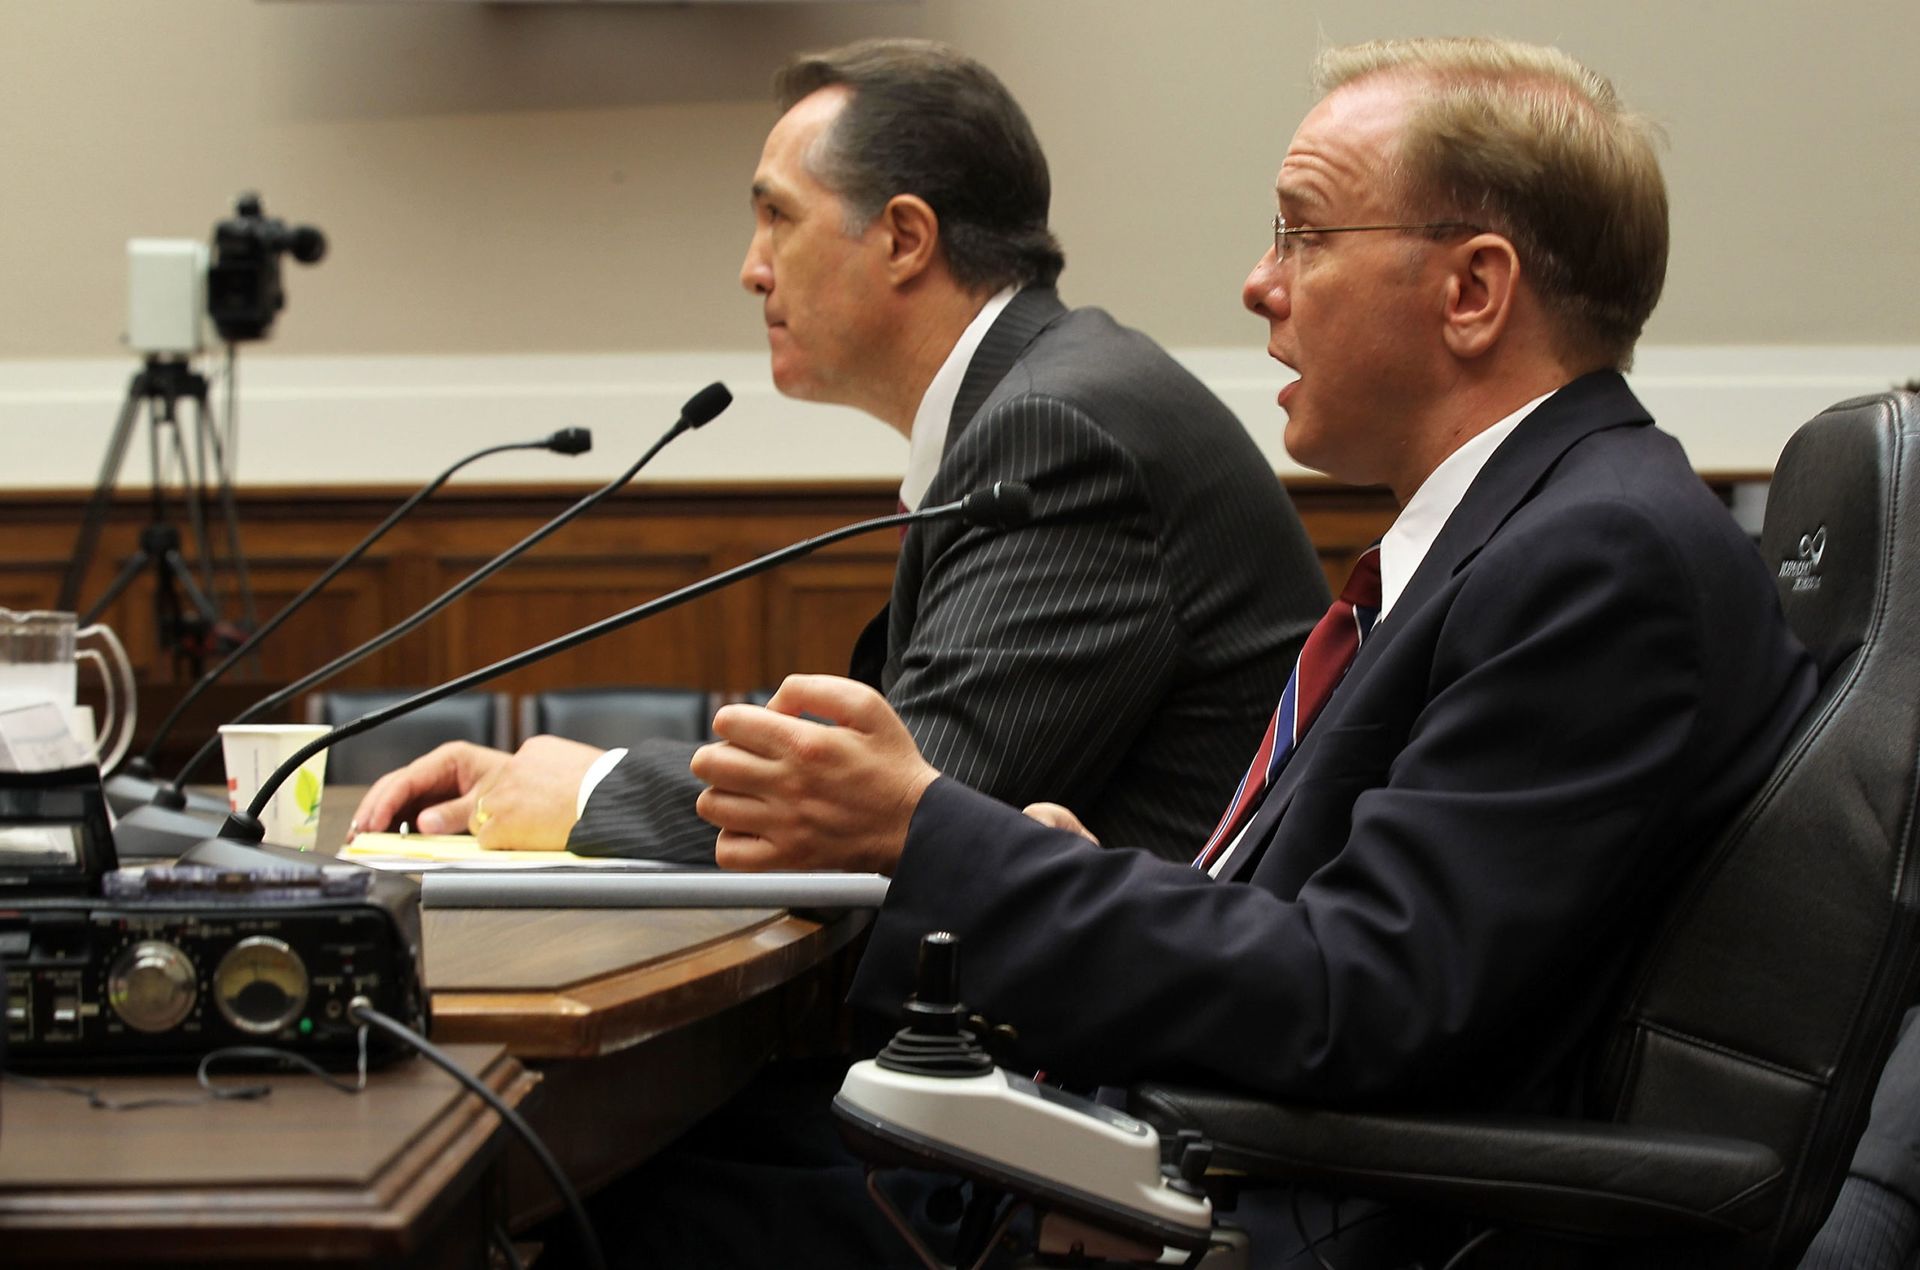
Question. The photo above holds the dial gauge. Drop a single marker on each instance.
(260, 985)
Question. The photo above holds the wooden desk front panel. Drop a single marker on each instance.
(308, 1175)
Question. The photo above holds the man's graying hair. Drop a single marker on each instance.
(923, 119)
(1525, 141)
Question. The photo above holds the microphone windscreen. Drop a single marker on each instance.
(705, 404)
(1001, 505)
(309, 245)
(571, 441)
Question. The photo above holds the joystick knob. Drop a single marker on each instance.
(935, 1041)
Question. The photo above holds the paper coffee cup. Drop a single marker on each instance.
(253, 751)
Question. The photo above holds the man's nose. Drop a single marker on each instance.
(756, 273)
(1263, 292)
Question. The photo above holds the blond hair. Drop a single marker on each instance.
(1523, 140)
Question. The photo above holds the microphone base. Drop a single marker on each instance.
(155, 833)
(127, 794)
(246, 857)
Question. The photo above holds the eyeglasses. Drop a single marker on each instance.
(1283, 231)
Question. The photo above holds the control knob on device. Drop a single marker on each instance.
(151, 986)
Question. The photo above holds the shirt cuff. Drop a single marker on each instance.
(591, 781)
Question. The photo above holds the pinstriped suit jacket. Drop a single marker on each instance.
(1121, 653)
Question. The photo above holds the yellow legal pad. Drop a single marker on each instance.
(416, 851)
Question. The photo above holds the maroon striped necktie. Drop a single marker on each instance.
(1323, 660)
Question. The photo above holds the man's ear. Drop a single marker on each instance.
(913, 237)
(1482, 291)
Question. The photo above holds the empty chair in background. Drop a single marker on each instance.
(484, 718)
(612, 718)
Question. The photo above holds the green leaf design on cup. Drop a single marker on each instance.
(306, 794)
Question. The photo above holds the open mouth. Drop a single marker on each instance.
(1287, 389)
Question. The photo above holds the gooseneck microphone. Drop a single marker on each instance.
(164, 828)
(699, 410)
(1002, 505)
(569, 441)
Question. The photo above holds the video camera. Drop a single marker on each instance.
(243, 286)
(174, 286)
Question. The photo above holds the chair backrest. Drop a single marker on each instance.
(480, 717)
(1768, 1000)
(613, 717)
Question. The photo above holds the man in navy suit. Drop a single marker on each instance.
(1578, 673)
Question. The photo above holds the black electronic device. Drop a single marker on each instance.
(166, 965)
(54, 834)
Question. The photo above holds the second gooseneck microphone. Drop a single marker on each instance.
(568, 441)
(700, 409)
(162, 830)
(1002, 505)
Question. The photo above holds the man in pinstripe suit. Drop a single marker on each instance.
(1122, 650)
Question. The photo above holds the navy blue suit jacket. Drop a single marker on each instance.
(1586, 676)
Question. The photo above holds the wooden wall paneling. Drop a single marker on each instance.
(346, 613)
(815, 610)
(751, 644)
(801, 616)
(41, 534)
(537, 602)
(1342, 522)
(23, 586)
(739, 632)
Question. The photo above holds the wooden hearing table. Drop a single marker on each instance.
(634, 1025)
(638, 1022)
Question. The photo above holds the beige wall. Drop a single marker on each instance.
(570, 177)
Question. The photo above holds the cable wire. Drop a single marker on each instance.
(503, 1244)
(1459, 1258)
(361, 1011)
(210, 1092)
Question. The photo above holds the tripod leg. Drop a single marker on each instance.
(177, 566)
(196, 488)
(96, 513)
(121, 581)
(190, 494)
(230, 513)
(188, 635)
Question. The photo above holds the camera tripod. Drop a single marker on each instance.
(185, 630)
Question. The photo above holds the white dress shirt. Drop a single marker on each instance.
(1426, 513)
(927, 442)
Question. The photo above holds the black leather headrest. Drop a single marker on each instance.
(1829, 533)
